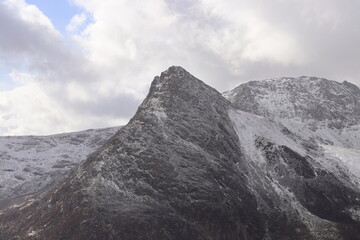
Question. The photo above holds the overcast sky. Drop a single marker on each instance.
(79, 64)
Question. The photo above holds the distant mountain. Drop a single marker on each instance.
(191, 165)
(316, 109)
(33, 164)
(305, 99)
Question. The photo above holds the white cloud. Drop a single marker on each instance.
(148, 38)
(59, 89)
(125, 39)
(27, 109)
(76, 22)
(30, 14)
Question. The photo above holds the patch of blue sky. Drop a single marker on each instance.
(6, 82)
(59, 12)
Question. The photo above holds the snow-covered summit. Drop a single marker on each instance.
(317, 101)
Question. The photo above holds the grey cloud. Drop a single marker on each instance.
(119, 106)
(326, 32)
(331, 45)
(40, 48)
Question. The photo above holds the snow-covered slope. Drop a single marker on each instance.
(190, 166)
(315, 109)
(271, 139)
(31, 164)
(347, 157)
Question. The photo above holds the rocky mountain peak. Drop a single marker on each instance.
(174, 70)
(177, 90)
(172, 75)
(177, 81)
(303, 99)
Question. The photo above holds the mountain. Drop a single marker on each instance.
(192, 165)
(32, 164)
(306, 99)
(319, 110)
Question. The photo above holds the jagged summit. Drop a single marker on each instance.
(177, 81)
(174, 70)
(303, 99)
(177, 89)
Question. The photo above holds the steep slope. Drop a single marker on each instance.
(316, 109)
(31, 164)
(301, 172)
(189, 166)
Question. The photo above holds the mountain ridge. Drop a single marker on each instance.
(190, 166)
(303, 99)
(32, 164)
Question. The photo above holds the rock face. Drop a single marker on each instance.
(189, 165)
(30, 165)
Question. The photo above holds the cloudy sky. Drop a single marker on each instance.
(69, 65)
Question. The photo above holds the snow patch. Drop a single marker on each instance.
(250, 126)
(161, 116)
(355, 213)
(349, 158)
(32, 233)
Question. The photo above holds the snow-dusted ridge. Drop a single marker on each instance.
(315, 109)
(311, 100)
(31, 164)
